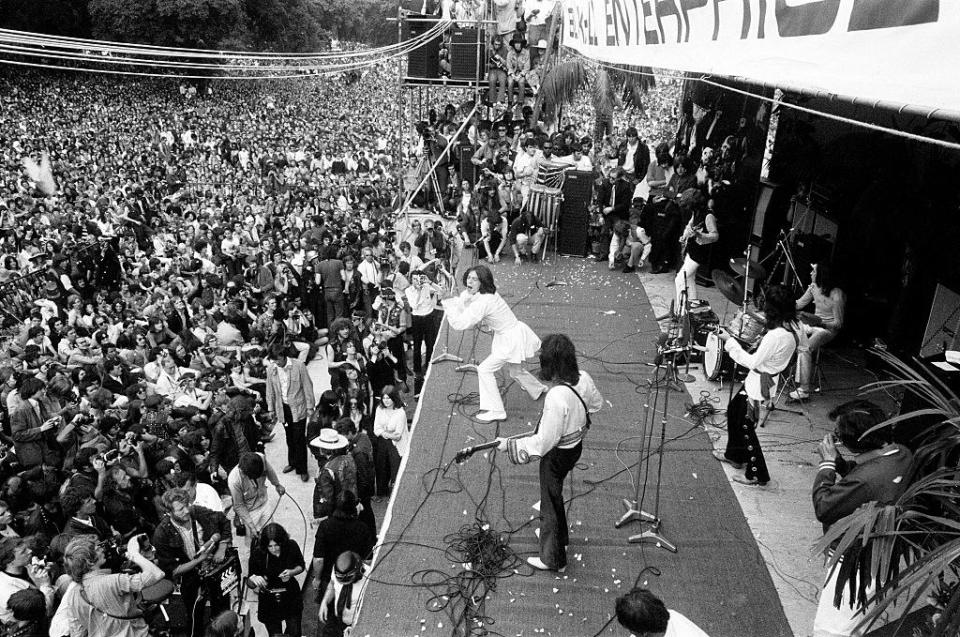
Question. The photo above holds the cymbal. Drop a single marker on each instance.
(728, 286)
(740, 267)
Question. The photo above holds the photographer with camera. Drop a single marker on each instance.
(105, 603)
(20, 569)
(275, 562)
(32, 429)
(388, 329)
(80, 507)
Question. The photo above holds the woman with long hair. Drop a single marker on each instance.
(275, 562)
(771, 357)
(513, 340)
(390, 427)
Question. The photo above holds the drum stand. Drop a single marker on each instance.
(685, 335)
(633, 511)
(743, 309)
(784, 252)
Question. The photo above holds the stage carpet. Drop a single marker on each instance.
(718, 578)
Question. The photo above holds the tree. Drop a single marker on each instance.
(181, 23)
(56, 17)
(286, 25)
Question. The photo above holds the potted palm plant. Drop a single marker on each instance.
(908, 553)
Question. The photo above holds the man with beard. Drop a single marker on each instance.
(185, 538)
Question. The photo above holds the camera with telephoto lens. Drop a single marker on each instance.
(115, 553)
(110, 456)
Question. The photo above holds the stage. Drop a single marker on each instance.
(718, 577)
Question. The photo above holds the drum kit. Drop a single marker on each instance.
(748, 324)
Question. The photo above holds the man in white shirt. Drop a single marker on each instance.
(525, 167)
(422, 298)
(644, 614)
(248, 487)
(537, 14)
(577, 160)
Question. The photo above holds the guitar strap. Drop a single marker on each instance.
(585, 410)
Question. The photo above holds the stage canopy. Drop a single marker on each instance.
(894, 51)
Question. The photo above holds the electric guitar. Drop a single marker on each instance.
(697, 229)
(465, 454)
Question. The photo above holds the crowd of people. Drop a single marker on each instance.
(183, 260)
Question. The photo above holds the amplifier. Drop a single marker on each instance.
(574, 222)
(465, 50)
(424, 61)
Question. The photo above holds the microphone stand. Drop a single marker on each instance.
(634, 512)
(556, 254)
(686, 337)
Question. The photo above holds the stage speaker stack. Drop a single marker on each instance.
(424, 61)
(574, 222)
(467, 170)
(464, 52)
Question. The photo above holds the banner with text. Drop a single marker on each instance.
(905, 51)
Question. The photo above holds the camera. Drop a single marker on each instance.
(115, 551)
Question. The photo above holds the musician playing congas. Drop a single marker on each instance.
(765, 364)
(700, 232)
(821, 327)
(557, 442)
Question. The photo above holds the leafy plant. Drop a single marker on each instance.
(610, 85)
(901, 552)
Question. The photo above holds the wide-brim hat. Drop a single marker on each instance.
(330, 440)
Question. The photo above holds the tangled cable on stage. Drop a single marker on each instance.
(486, 558)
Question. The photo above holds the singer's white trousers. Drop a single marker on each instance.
(490, 399)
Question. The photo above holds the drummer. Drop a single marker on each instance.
(765, 364)
(818, 328)
(701, 231)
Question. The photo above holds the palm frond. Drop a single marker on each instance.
(637, 80)
(603, 93)
(889, 553)
(561, 85)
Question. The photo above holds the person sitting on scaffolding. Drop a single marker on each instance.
(518, 67)
(497, 71)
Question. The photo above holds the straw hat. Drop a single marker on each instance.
(330, 440)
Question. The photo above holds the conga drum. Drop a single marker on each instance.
(544, 203)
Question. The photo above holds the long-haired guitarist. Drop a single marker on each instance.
(557, 441)
(700, 232)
